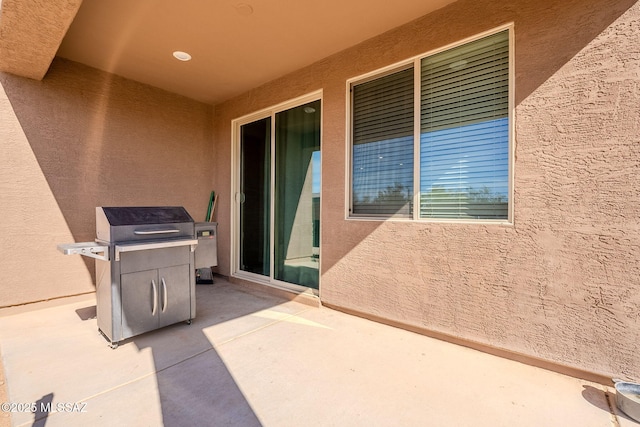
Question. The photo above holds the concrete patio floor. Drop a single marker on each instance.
(251, 358)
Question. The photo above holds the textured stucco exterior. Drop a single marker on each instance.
(561, 283)
(30, 33)
(78, 139)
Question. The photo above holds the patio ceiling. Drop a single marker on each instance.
(236, 45)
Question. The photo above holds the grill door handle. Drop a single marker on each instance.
(155, 297)
(164, 295)
(148, 232)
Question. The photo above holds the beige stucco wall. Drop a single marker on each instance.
(563, 282)
(78, 139)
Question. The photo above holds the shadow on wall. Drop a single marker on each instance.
(102, 140)
(548, 33)
(547, 36)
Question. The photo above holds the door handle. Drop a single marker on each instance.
(164, 295)
(155, 298)
(149, 232)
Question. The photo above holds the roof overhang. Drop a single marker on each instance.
(235, 46)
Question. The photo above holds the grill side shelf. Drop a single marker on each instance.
(90, 249)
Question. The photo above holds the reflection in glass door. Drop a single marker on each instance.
(279, 196)
(297, 195)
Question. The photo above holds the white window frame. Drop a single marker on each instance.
(416, 62)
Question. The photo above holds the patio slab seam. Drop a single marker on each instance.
(612, 411)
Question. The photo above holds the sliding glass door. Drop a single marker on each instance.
(297, 195)
(255, 197)
(279, 196)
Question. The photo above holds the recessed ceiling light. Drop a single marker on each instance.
(181, 56)
(244, 9)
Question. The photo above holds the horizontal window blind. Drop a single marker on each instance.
(464, 131)
(382, 157)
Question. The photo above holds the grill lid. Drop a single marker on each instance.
(138, 223)
(146, 215)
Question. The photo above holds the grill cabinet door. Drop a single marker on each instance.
(155, 289)
(140, 307)
(174, 294)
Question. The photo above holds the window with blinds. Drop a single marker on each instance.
(464, 131)
(462, 158)
(382, 155)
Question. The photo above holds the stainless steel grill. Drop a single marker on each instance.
(145, 272)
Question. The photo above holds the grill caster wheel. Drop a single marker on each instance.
(113, 345)
(188, 322)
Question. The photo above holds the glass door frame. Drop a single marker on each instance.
(236, 126)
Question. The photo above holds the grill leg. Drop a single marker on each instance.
(112, 344)
(204, 276)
